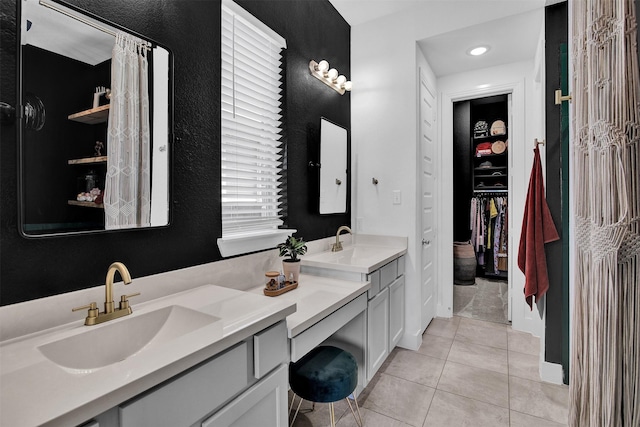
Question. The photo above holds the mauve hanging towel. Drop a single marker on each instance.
(537, 229)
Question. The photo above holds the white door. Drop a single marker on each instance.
(427, 186)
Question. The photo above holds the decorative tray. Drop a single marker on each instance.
(288, 286)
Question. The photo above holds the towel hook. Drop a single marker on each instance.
(537, 142)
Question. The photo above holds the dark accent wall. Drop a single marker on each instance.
(49, 180)
(556, 28)
(34, 268)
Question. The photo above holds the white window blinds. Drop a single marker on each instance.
(251, 126)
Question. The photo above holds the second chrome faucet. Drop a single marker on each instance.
(337, 246)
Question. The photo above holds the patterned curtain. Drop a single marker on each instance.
(605, 346)
(127, 187)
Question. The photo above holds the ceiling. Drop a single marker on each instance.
(511, 39)
(54, 31)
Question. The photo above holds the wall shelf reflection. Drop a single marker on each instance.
(87, 160)
(92, 116)
(86, 204)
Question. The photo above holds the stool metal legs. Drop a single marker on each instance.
(355, 399)
(332, 411)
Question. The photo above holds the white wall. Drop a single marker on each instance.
(384, 117)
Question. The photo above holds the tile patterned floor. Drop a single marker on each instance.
(466, 373)
(486, 300)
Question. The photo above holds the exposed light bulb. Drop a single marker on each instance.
(340, 80)
(323, 66)
(347, 86)
(332, 74)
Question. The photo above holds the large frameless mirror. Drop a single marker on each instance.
(96, 128)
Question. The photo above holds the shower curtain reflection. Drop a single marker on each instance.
(127, 188)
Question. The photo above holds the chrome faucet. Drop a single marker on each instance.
(337, 246)
(94, 317)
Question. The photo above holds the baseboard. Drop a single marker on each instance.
(550, 372)
(411, 341)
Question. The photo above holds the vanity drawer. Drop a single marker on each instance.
(189, 397)
(388, 274)
(270, 349)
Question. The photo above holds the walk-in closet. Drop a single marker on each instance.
(481, 207)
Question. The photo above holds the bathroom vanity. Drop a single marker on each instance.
(209, 354)
(378, 260)
(203, 356)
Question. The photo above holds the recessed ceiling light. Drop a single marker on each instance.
(476, 51)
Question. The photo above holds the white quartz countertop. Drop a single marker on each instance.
(37, 391)
(364, 254)
(317, 297)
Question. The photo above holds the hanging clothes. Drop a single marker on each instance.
(489, 237)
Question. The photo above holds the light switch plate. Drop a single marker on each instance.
(397, 197)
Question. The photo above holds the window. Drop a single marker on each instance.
(251, 133)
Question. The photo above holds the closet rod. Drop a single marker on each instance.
(491, 193)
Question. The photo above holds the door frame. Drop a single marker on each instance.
(522, 319)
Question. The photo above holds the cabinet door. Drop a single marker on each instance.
(377, 332)
(264, 404)
(396, 312)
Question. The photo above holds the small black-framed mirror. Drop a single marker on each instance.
(329, 169)
(96, 129)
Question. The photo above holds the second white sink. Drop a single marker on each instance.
(95, 347)
(360, 258)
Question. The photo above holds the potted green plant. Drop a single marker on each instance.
(292, 248)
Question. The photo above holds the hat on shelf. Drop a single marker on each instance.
(497, 173)
(483, 148)
(498, 147)
(485, 165)
(498, 128)
(481, 129)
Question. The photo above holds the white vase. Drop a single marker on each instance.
(289, 268)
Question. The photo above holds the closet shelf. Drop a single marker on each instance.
(491, 176)
(490, 138)
(490, 155)
(491, 168)
(87, 160)
(92, 116)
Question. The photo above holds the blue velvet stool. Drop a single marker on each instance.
(326, 374)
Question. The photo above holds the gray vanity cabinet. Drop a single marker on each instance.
(385, 313)
(243, 385)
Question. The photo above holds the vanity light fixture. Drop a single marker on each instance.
(479, 50)
(329, 76)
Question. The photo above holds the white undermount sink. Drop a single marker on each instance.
(94, 347)
(361, 258)
(352, 255)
